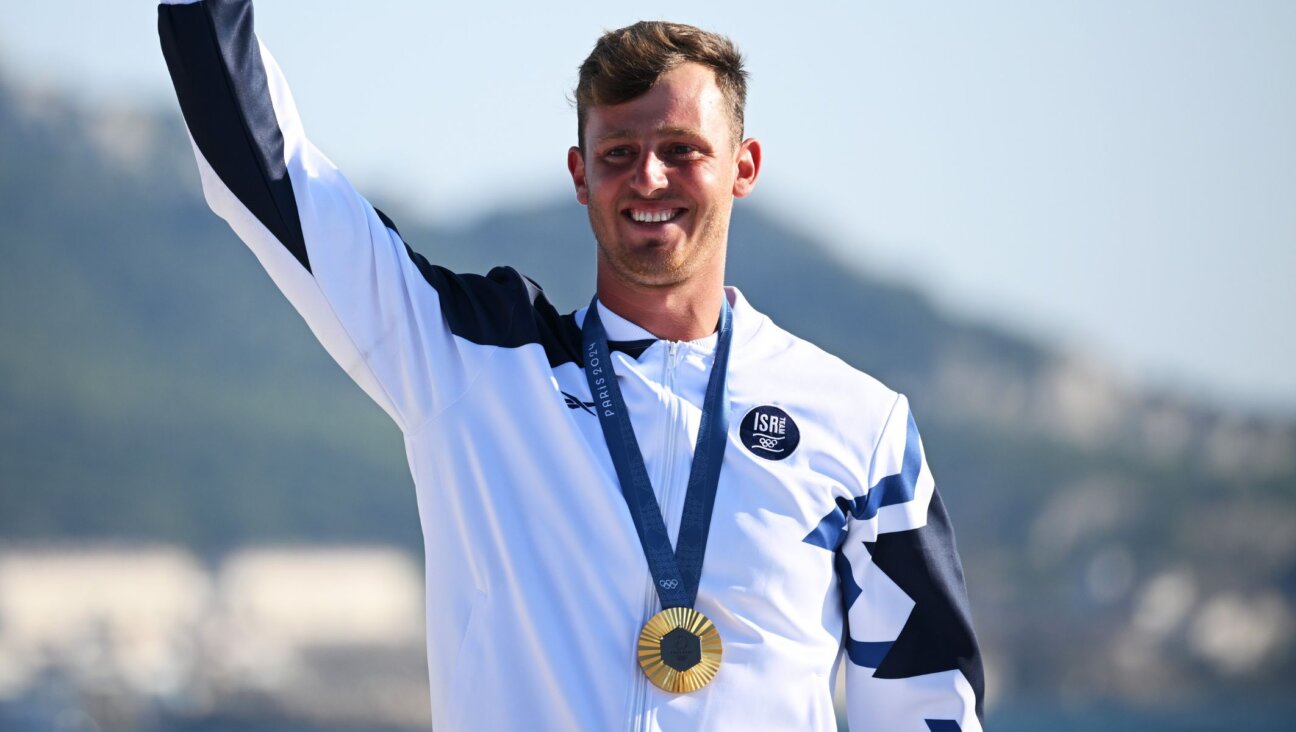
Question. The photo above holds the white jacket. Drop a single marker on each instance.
(827, 538)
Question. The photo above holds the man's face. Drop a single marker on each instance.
(659, 174)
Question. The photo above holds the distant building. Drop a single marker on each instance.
(134, 610)
(129, 636)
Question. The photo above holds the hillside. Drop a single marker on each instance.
(154, 386)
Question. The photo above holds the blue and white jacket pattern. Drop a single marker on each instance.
(828, 535)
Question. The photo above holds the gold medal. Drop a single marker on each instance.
(679, 650)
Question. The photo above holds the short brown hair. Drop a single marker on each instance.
(626, 62)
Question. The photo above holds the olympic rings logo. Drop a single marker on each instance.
(669, 584)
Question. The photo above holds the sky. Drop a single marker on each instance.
(1114, 178)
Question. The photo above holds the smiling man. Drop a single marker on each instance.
(717, 511)
(659, 162)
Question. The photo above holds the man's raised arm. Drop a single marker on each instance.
(385, 315)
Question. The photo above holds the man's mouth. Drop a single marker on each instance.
(660, 216)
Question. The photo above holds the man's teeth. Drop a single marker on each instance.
(653, 217)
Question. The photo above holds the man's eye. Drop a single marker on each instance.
(682, 149)
(617, 152)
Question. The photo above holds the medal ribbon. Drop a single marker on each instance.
(675, 572)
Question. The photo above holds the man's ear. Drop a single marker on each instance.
(748, 163)
(576, 166)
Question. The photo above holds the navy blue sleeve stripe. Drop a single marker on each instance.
(889, 491)
(938, 635)
(506, 309)
(900, 487)
(502, 308)
(387, 221)
(216, 67)
(831, 529)
(868, 654)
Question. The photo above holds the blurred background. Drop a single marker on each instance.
(1065, 230)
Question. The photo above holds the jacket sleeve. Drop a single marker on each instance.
(391, 320)
(912, 661)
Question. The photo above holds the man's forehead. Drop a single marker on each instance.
(685, 100)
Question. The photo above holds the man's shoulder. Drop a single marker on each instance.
(819, 375)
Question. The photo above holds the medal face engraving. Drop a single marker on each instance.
(679, 650)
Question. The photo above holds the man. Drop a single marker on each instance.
(572, 470)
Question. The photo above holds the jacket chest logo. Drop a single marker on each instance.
(574, 402)
(769, 432)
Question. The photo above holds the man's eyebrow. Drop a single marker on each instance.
(666, 131)
(617, 135)
(679, 131)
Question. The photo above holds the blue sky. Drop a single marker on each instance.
(1116, 178)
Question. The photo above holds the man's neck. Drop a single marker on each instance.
(685, 313)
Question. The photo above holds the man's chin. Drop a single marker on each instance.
(648, 270)
(657, 273)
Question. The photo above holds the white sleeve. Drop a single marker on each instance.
(395, 323)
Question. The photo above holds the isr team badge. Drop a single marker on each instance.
(769, 432)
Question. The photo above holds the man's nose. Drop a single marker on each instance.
(650, 175)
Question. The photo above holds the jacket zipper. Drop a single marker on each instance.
(640, 722)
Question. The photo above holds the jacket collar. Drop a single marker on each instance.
(746, 322)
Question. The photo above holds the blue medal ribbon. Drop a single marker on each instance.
(675, 572)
